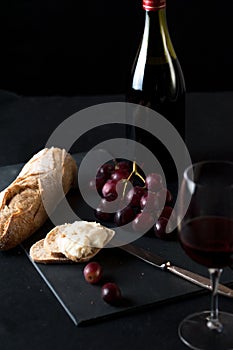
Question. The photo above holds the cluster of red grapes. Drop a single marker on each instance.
(110, 292)
(145, 205)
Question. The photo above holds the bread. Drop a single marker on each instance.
(78, 242)
(41, 255)
(50, 241)
(22, 209)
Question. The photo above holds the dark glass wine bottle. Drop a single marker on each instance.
(157, 81)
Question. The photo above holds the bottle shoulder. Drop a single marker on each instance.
(158, 74)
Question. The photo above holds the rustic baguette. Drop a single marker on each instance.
(22, 209)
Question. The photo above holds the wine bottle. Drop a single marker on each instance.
(157, 80)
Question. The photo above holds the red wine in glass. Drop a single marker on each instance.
(208, 240)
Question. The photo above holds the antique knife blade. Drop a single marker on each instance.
(166, 265)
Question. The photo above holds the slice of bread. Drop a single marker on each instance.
(78, 242)
(50, 241)
(40, 255)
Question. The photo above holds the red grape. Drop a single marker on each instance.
(166, 212)
(151, 202)
(160, 229)
(165, 193)
(120, 174)
(109, 190)
(97, 183)
(124, 216)
(101, 211)
(123, 165)
(106, 170)
(134, 195)
(93, 272)
(100, 181)
(153, 182)
(143, 222)
(111, 293)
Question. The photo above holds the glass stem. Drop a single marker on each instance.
(213, 322)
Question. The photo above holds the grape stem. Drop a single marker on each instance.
(133, 172)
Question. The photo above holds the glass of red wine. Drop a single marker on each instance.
(206, 235)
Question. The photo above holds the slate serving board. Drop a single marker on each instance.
(142, 285)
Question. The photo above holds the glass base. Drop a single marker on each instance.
(195, 333)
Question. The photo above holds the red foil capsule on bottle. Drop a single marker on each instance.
(153, 5)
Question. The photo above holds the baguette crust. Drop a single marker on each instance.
(22, 210)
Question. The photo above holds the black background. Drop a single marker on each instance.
(71, 47)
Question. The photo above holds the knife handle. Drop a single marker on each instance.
(197, 279)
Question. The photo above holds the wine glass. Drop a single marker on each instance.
(206, 235)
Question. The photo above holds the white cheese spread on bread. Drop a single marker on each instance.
(81, 237)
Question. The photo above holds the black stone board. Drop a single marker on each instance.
(142, 285)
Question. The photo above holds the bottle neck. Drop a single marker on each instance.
(153, 5)
(156, 20)
(156, 34)
(155, 14)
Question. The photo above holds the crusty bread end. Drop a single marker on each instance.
(22, 210)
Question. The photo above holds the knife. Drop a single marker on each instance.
(166, 265)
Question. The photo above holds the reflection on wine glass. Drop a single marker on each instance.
(206, 235)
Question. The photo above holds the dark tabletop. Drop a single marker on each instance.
(30, 315)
